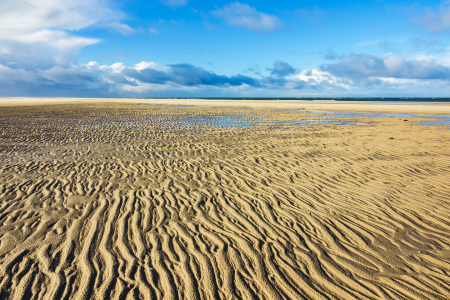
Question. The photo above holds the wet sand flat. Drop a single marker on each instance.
(122, 200)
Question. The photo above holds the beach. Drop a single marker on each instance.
(222, 199)
(325, 105)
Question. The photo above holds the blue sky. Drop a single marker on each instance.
(191, 48)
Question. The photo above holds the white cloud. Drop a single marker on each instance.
(145, 65)
(442, 59)
(401, 76)
(41, 33)
(244, 15)
(315, 76)
(32, 15)
(316, 79)
(92, 65)
(24, 16)
(360, 67)
(56, 39)
(121, 28)
(117, 67)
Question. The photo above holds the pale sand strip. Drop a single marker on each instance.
(122, 201)
(367, 106)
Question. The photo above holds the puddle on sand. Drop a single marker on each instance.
(327, 117)
(322, 117)
(230, 121)
(436, 123)
(215, 121)
(444, 120)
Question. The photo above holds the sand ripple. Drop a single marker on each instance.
(91, 207)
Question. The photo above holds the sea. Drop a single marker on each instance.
(383, 99)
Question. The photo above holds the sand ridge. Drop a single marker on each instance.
(131, 201)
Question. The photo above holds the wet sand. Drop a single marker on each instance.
(124, 200)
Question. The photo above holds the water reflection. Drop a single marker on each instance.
(254, 120)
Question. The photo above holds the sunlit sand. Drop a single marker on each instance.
(109, 198)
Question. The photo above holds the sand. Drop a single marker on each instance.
(327, 105)
(123, 200)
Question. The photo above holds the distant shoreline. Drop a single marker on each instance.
(339, 99)
(327, 105)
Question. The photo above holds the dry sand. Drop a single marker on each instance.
(328, 105)
(121, 200)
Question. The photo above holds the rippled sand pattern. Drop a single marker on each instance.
(125, 202)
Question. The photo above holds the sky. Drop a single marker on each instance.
(193, 48)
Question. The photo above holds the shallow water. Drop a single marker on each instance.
(255, 120)
(339, 118)
(436, 123)
(444, 119)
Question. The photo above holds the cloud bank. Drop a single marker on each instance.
(362, 66)
(355, 74)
